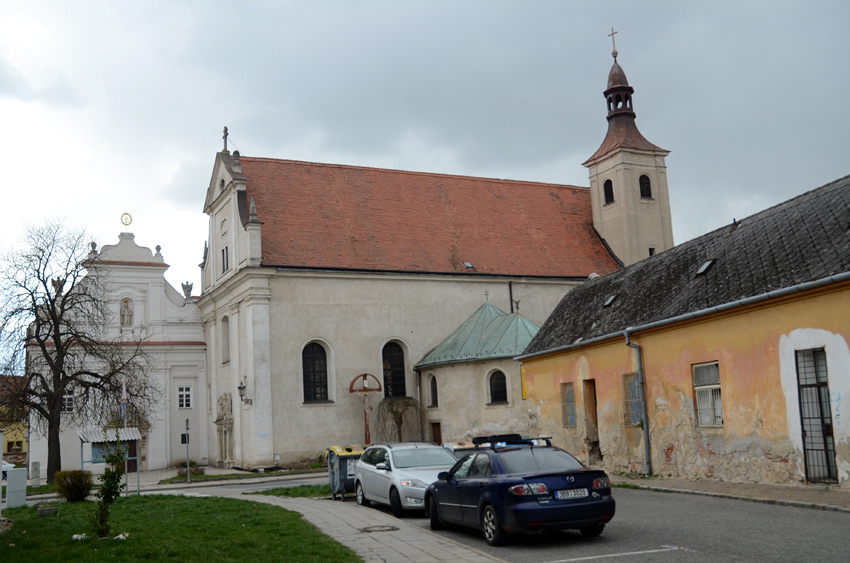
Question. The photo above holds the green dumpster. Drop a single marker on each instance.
(341, 460)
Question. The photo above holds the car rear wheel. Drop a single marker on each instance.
(436, 524)
(592, 531)
(395, 504)
(358, 494)
(493, 533)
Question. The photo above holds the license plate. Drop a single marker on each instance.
(570, 493)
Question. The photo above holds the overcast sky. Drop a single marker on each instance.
(109, 106)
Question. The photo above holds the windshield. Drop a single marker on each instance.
(534, 460)
(422, 457)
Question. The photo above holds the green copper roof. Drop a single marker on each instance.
(488, 334)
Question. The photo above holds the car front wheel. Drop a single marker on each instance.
(358, 493)
(493, 533)
(436, 524)
(395, 504)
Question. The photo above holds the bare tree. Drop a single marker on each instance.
(55, 318)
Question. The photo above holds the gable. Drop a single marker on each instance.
(801, 240)
(357, 218)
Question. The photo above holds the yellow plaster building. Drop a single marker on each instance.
(726, 356)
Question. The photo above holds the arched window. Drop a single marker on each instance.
(608, 188)
(645, 187)
(393, 357)
(314, 362)
(435, 399)
(498, 388)
(225, 340)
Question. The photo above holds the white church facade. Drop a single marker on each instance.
(142, 301)
(315, 274)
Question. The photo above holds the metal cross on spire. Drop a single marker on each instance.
(614, 43)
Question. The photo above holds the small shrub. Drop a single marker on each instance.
(75, 485)
(193, 470)
(110, 488)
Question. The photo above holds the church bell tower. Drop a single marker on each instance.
(628, 180)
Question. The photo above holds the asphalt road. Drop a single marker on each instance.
(666, 527)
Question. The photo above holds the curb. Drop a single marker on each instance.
(730, 496)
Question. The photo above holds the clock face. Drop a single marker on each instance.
(126, 218)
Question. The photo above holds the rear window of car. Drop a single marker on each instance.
(423, 457)
(532, 460)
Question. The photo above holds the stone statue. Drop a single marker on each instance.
(224, 427)
(187, 290)
(126, 313)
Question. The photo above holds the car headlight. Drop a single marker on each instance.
(416, 483)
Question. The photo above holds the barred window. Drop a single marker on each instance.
(707, 393)
(568, 405)
(184, 397)
(314, 364)
(632, 403)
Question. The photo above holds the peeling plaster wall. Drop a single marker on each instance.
(760, 439)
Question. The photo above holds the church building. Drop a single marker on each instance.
(316, 274)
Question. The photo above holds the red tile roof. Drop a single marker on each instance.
(350, 217)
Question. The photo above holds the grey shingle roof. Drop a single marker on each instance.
(801, 240)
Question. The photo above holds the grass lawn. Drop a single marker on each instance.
(311, 491)
(171, 527)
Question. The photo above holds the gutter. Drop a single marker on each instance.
(647, 467)
(776, 294)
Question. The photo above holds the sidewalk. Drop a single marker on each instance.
(822, 497)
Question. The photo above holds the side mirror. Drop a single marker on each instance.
(443, 476)
(382, 466)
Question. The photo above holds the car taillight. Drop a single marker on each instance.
(529, 489)
(601, 483)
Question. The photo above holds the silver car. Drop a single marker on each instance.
(397, 474)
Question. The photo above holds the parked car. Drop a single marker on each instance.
(514, 485)
(6, 467)
(397, 474)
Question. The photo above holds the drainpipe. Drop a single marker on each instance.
(644, 418)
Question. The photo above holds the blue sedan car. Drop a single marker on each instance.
(512, 485)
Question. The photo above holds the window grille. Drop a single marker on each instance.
(707, 391)
(816, 416)
(184, 397)
(67, 402)
(315, 370)
(568, 405)
(632, 403)
(498, 388)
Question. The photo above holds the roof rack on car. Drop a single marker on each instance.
(391, 444)
(506, 440)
